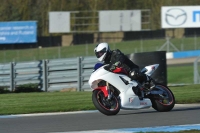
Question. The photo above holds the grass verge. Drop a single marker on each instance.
(23, 103)
(186, 94)
(180, 74)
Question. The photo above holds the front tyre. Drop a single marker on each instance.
(163, 102)
(105, 106)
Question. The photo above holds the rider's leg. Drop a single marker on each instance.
(135, 74)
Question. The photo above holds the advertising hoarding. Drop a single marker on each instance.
(119, 20)
(59, 22)
(180, 16)
(18, 32)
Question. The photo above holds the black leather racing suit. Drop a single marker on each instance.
(116, 56)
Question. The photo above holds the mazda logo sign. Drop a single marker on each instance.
(175, 17)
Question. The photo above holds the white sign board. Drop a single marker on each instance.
(180, 16)
(122, 20)
(59, 22)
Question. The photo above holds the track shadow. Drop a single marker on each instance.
(140, 111)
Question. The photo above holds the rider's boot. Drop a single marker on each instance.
(137, 90)
(149, 83)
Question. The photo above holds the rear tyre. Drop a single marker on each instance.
(163, 102)
(105, 106)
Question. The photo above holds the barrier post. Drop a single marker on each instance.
(12, 84)
(44, 77)
(79, 73)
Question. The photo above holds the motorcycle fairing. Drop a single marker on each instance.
(150, 69)
(112, 78)
(128, 98)
(131, 101)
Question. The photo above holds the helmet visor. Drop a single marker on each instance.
(100, 53)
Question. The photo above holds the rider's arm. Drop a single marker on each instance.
(121, 60)
(117, 57)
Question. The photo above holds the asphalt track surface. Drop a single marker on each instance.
(94, 120)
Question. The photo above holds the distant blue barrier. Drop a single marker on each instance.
(183, 54)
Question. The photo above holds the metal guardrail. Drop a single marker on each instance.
(56, 74)
(196, 71)
(50, 75)
(5, 74)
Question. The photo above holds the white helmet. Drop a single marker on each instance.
(101, 51)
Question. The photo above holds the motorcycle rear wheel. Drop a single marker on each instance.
(105, 106)
(164, 102)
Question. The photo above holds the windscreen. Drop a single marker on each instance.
(97, 66)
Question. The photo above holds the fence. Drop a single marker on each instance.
(50, 75)
(127, 47)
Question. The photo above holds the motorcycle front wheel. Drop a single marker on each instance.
(163, 102)
(105, 106)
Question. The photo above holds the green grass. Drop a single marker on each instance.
(187, 94)
(180, 74)
(126, 47)
(23, 103)
(17, 103)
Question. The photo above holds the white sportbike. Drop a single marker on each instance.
(113, 90)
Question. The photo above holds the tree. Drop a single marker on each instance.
(38, 10)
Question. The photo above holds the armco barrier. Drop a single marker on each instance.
(62, 73)
(6, 74)
(50, 75)
(57, 74)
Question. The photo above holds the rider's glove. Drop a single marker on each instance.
(113, 67)
(118, 64)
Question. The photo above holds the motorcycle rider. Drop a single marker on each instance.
(116, 58)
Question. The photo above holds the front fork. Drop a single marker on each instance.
(109, 91)
(106, 90)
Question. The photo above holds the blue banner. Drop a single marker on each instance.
(18, 32)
